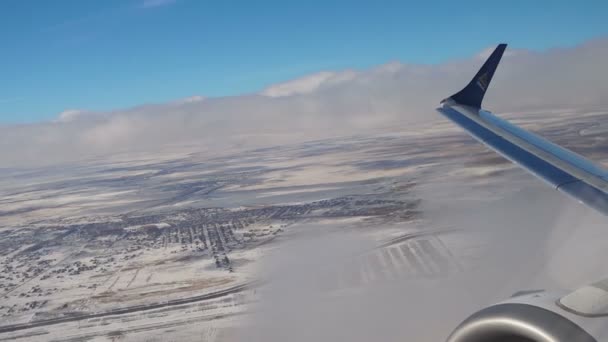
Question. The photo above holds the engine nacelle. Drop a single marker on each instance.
(578, 316)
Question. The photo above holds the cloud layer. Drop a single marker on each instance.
(318, 105)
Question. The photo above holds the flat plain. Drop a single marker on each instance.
(172, 244)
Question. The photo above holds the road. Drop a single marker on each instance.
(127, 310)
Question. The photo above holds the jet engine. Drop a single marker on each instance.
(541, 316)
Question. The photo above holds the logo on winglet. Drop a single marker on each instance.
(482, 81)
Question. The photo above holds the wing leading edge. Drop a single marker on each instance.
(564, 170)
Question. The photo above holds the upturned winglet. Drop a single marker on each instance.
(472, 95)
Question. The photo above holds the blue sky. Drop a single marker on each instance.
(103, 55)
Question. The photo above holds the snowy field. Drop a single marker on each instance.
(242, 245)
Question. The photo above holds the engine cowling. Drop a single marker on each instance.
(578, 316)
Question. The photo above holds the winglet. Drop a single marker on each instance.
(473, 93)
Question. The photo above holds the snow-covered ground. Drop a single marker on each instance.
(186, 246)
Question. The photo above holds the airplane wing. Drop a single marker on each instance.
(562, 169)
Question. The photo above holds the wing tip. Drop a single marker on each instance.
(472, 95)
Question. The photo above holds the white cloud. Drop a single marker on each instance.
(70, 115)
(308, 84)
(319, 105)
(191, 99)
